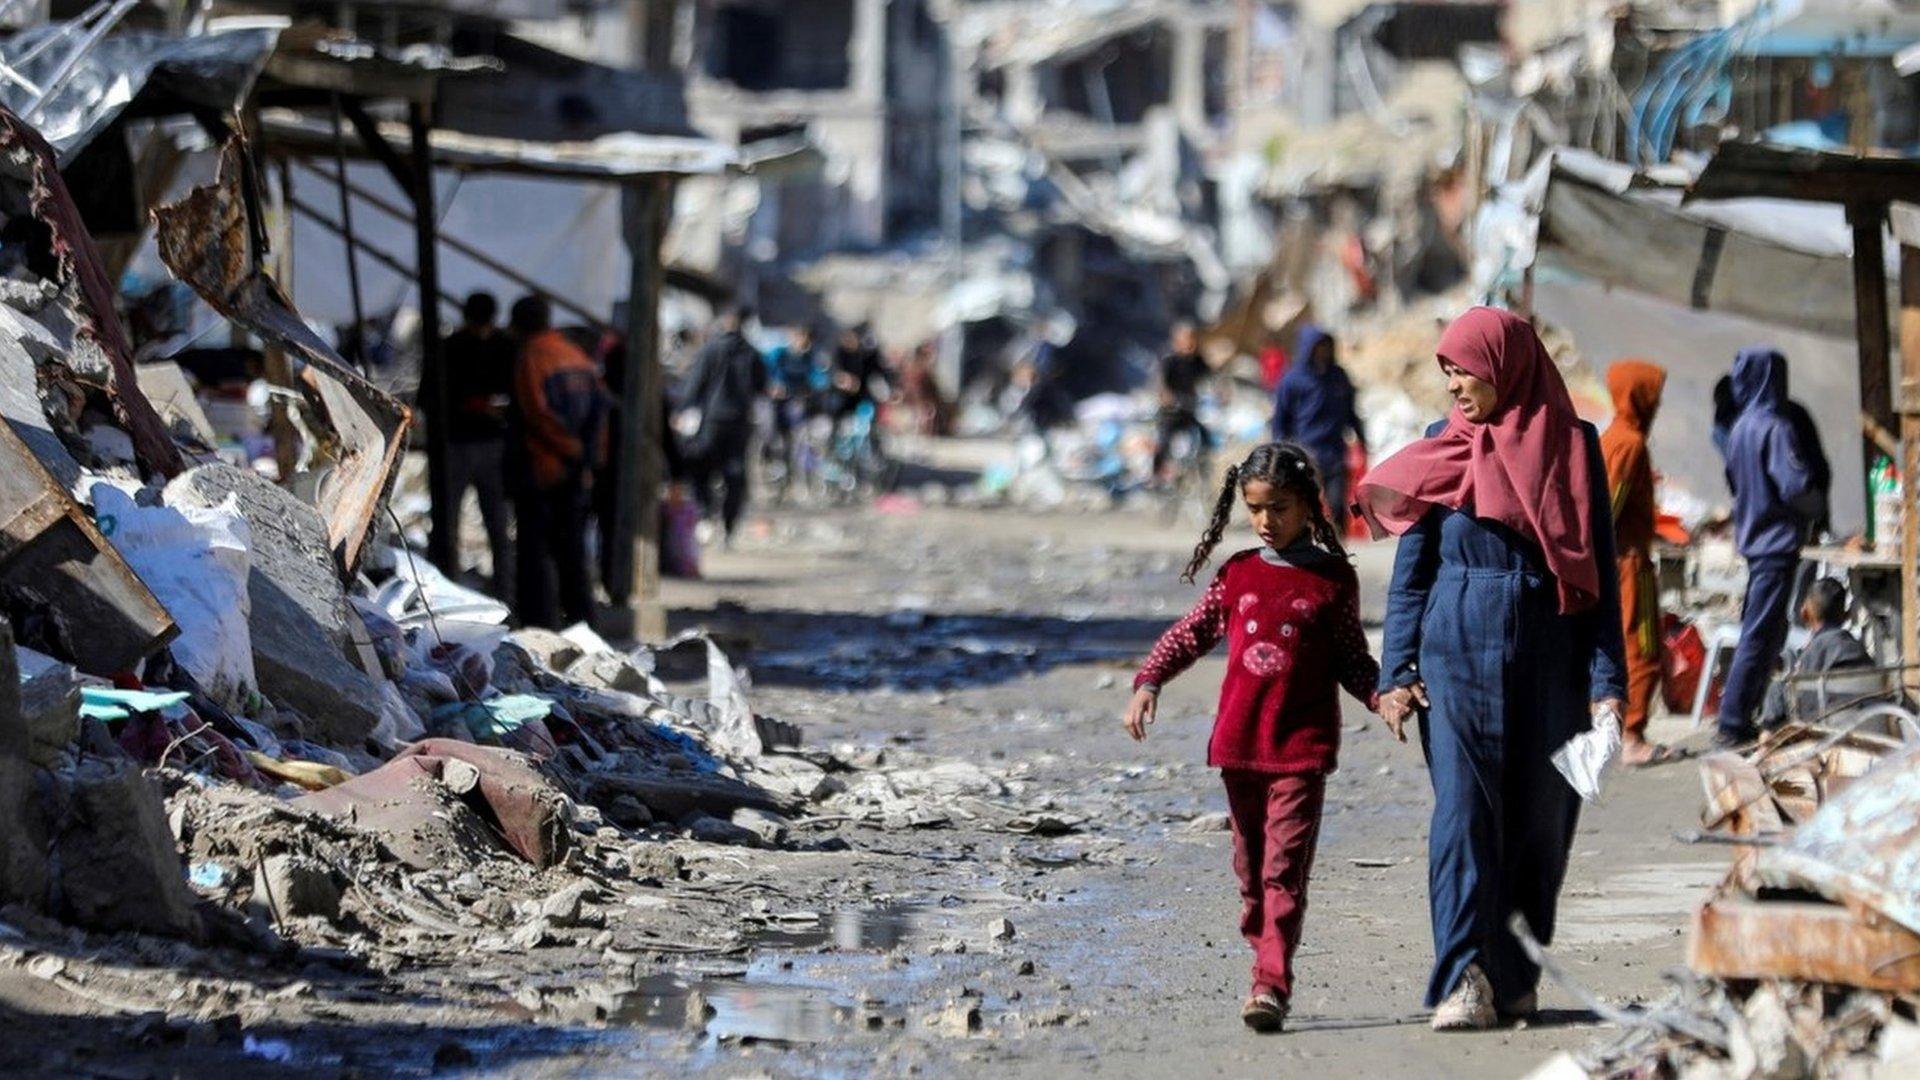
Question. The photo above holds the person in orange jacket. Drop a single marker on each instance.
(562, 407)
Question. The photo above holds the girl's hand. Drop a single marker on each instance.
(1141, 711)
(1398, 704)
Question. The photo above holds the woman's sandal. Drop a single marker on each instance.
(1656, 754)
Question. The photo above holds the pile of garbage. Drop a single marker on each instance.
(1805, 960)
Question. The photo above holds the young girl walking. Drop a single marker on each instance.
(1290, 613)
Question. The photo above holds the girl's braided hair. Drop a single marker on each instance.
(1286, 466)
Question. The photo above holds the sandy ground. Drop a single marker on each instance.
(1138, 946)
(896, 636)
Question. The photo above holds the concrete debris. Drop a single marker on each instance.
(304, 629)
(1000, 929)
(295, 886)
(49, 704)
(23, 860)
(114, 862)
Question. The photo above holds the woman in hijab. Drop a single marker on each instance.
(1636, 387)
(1502, 629)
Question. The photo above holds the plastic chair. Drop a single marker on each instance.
(1723, 638)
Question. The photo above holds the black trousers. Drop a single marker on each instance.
(555, 589)
(724, 465)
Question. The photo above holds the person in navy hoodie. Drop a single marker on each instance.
(1314, 407)
(1776, 500)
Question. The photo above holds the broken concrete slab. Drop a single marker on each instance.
(23, 860)
(547, 648)
(50, 704)
(304, 629)
(115, 864)
(292, 886)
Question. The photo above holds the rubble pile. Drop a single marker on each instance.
(1805, 960)
(240, 715)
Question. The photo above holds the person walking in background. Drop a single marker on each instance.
(928, 410)
(1289, 611)
(479, 359)
(797, 376)
(562, 406)
(1636, 387)
(726, 378)
(1182, 372)
(1314, 405)
(1776, 500)
(1502, 633)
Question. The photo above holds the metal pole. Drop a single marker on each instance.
(443, 549)
(79, 53)
(358, 334)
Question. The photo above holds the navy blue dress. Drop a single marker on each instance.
(1474, 613)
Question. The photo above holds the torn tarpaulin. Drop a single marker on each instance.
(409, 798)
(356, 431)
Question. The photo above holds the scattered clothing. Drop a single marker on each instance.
(1831, 649)
(1292, 627)
(1314, 406)
(1528, 468)
(1636, 387)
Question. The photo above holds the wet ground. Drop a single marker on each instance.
(1094, 934)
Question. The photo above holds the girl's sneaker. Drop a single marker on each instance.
(1264, 1012)
(1470, 1006)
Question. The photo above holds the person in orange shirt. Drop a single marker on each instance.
(562, 408)
(1636, 387)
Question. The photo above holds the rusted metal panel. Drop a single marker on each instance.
(62, 581)
(358, 430)
(1738, 938)
(87, 291)
(1863, 846)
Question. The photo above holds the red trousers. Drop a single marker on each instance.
(1276, 822)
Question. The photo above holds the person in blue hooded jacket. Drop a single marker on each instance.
(1314, 407)
(1776, 499)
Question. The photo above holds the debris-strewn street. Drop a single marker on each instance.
(1003, 880)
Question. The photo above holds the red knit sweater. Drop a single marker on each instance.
(1293, 639)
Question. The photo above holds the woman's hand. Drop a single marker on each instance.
(1398, 704)
(1141, 711)
(1618, 705)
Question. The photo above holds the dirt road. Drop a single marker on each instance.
(1004, 637)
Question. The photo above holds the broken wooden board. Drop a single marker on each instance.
(61, 581)
(1739, 938)
(356, 431)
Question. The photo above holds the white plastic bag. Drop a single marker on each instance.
(1585, 757)
(195, 561)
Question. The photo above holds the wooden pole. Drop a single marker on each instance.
(1910, 460)
(1872, 329)
(633, 566)
(443, 547)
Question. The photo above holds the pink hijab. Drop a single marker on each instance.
(1527, 468)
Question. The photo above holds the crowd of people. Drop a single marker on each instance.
(1522, 611)
(533, 420)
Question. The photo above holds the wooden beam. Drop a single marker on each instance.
(1872, 328)
(378, 147)
(633, 566)
(1910, 460)
(1751, 170)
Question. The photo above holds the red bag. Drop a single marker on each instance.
(1356, 472)
(1681, 665)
